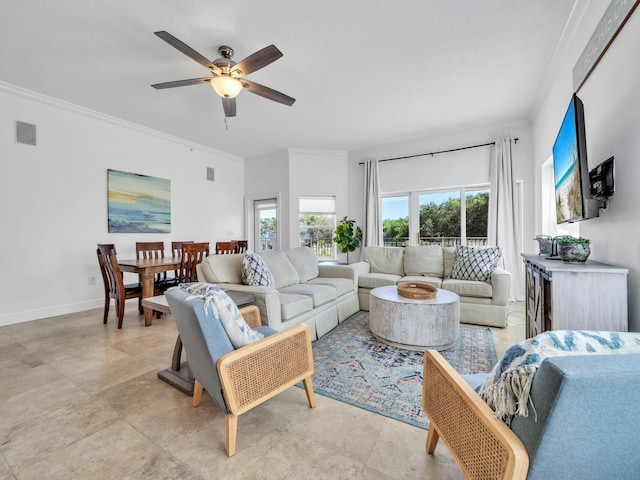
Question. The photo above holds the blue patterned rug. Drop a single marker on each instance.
(353, 367)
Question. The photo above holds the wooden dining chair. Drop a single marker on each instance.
(154, 250)
(241, 246)
(192, 255)
(224, 248)
(114, 286)
(176, 249)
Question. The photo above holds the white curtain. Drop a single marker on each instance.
(505, 224)
(372, 214)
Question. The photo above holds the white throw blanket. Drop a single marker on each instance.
(507, 388)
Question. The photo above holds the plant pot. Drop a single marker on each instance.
(574, 252)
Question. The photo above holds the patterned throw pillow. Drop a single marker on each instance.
(225, 310)
(255, 271)
(475, 263)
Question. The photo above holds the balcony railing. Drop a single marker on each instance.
(323, 248)
(442, 241)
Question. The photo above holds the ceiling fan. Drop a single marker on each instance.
(228, 76)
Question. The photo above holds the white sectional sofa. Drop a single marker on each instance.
(321, 296)
(481, 303)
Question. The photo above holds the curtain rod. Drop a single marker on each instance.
(515, 140)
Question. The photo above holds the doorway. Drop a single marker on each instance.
(265, 228)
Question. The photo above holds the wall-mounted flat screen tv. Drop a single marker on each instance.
(571, 169)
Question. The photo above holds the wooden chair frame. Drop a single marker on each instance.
(153, 250)
(192, 255)
(241, 246)
(483, 446)
(114, 286)
(257, 372)
(225, 248)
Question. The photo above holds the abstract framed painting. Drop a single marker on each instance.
(138, 203)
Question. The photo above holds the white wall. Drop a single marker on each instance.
(267, 176)
(317, 173)
(294, 173)
(611, 100)
(53, 200)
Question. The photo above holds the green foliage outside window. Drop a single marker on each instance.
(444, 219)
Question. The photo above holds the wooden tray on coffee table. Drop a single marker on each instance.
(417, 291)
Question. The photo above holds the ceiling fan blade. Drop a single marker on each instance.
(267, 92)
(229, 105)
(181, 83)
(187, 50)
(256, 61)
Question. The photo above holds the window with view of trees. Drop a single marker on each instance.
(266, 218)
(456, 217)
(317, 221)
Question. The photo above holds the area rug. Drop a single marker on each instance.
(353, 367)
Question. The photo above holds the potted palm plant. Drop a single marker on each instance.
(573, 249)
(348, 236)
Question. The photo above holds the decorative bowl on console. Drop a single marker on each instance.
(572, 249)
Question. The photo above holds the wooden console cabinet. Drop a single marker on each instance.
(564, 296)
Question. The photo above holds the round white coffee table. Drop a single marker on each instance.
(414, 324)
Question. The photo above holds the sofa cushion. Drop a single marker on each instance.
(281, 267)
(373, 280)
(320, 294)
(475, 263)
(342, 285)
(449, 258)
(468, 288)
(305, 262)
(424, 260)
(222, 269)
(255, 271)
(293, 305)
(433, 281)
(384, 259)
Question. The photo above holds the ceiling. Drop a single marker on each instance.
(364, 72)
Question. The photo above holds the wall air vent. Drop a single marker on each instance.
(210, 174)
(25, 133)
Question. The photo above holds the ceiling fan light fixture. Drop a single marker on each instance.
(226, 87)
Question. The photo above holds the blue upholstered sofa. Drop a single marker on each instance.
(585, 423)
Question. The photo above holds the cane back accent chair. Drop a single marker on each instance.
(241, 379)
(483, 447)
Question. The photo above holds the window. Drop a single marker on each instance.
(317, 219)
(447, 218)
(440, 218)
(266, 228)
(395, 223)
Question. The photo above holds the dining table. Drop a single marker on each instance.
(147, 268)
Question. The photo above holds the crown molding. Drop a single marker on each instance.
(77, 109)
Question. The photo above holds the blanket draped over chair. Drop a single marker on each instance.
(507, 388)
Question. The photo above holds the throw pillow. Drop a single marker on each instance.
(255, 271)
(475, 263)
(225, 310)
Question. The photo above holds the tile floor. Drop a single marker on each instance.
(81, 400)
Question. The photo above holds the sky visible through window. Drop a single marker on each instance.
(398, 207)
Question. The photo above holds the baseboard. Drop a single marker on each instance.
(54, 311)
